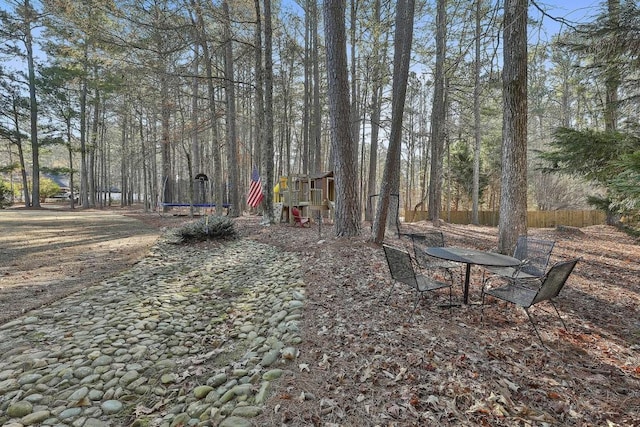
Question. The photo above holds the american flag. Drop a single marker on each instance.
(255, 190)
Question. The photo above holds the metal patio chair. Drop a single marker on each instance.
(534, 254)
(527, 292)
(402, 270)
(421, 241)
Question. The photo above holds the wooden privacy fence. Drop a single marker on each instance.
(535, 219)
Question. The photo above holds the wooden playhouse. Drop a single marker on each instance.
(314, 195)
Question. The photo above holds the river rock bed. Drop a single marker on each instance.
(190, 336)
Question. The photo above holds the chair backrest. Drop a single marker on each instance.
(535, 252)
(400, 265)
(422, 241)
(430, 238)
(554, 280)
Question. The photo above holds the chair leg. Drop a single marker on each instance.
(482, 307)
(390, 292)
(534, 327)
(558, 313)
(415, 305)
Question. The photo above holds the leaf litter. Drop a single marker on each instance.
(365, 364)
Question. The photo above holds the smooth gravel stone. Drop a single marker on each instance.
(83, 371)
(202, 391)
(235, 422)
(70, 413)
(240, 372)
(29, 379)
(9, 385)
(179, 350)
(111, 406)
(217, 380)
(226, 397)
(5, 375)
(93, 422)
(168, 378)
(242, 390)
(180, 420)
(129, 339)
(212, 397)
(247, 328)
(35, 418)
(272, 374)
(34, 398)
(79, 394)
(196, 409)
(96, 394)
(19, 409)
(246, 411)
(90, 379)
(129, 377)
(102, 361)
(261, 396)
(270, 358)
(296, 304)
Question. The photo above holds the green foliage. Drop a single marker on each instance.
(611, 159)
(62, 170)
(48, 188)
(208, 228)
(461, 166)
(589, 154)
(625, 186)
(9, 168)
(5, 195)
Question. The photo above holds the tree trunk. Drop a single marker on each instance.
(267, 148)
(165, 141)
(438, 115)
(376, 107)
(259, 95)
(316, 142)
(218, 187)
(612, 74)
(33, 105)
(476, 119)
(355, 101)
(308, 88)
(92, 149)
(23, 169)
(347, 214)
(232, 156)
(513, 195)
(84, 166)
(391, 174)
(195, 125)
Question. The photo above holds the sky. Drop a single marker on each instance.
(570, 10)
(575, 11)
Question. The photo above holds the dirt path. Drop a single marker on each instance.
(48, 254)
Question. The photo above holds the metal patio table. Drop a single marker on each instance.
(471, 257)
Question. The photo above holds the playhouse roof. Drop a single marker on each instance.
(320, 175)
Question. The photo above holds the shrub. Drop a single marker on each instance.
(6, 197)
(208, 228)
(48, 188)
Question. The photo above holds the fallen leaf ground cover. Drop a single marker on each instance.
(363, 364)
